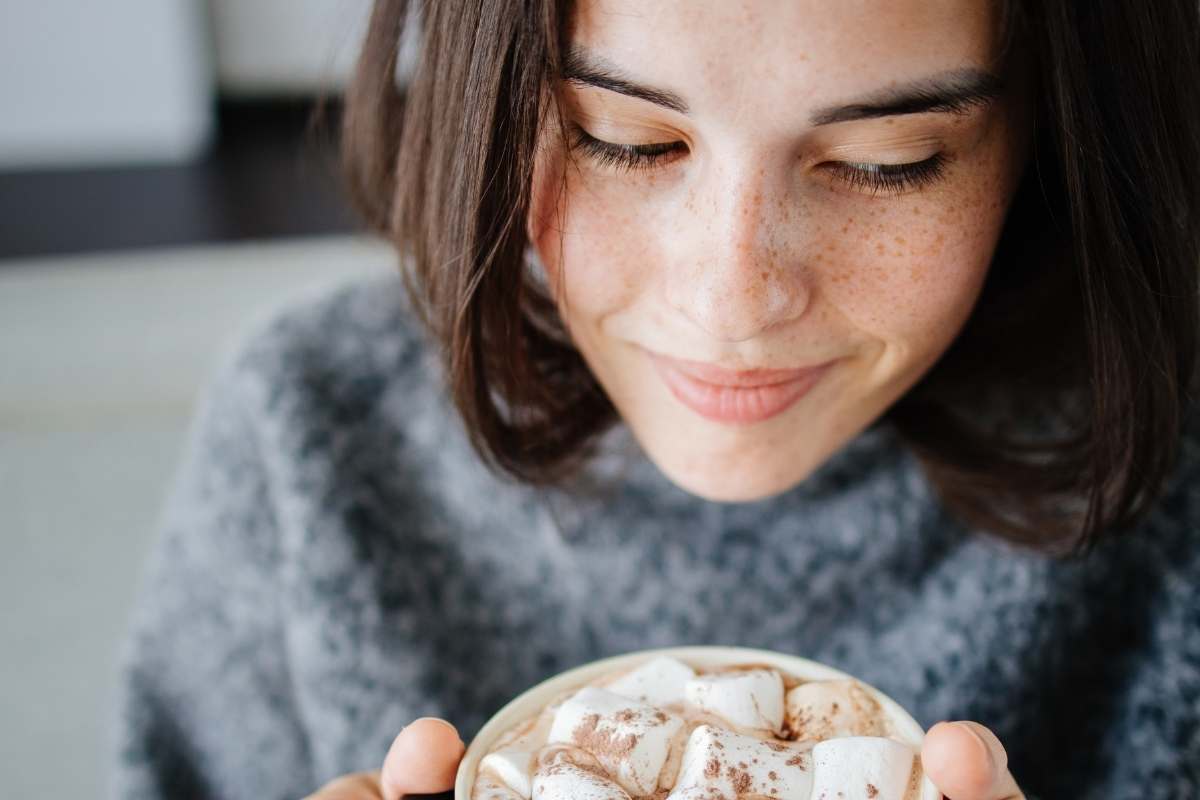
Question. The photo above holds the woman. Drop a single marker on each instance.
(861, 331)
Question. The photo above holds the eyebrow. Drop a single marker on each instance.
(953, 91)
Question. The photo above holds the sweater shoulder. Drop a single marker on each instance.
(1175, 514)
(335, 358)
(360, 326)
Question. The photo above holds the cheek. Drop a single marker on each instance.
(598, 244)
(909, 273)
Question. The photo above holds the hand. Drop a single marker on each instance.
(423, 759)
(966, 761)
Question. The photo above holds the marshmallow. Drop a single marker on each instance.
(631, 740)
(829, 709)
(721, 763)
(861, 768)
(562, 775)
(513, 767)
(658, 682)
(750, 699)
(699, 793)
(488, 787)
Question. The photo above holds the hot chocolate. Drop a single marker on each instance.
(668, 730)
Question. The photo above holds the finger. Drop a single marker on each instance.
(423, 759)
(359, 786)
(966, 761)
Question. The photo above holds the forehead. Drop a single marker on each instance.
(758, 57)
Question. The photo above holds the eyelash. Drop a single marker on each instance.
(889, 178)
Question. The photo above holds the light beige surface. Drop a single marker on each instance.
(101, 357)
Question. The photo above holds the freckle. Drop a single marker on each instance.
(762, 275)
(880, 249)
(899, 240)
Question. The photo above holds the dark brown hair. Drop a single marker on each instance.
(1087, 323)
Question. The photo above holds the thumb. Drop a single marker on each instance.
(423, 759)
(966, 761)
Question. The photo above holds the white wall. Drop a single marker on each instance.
(134, 81)
(99, 82)
(286, 46)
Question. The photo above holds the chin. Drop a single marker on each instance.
(727, 492)
(722, 480)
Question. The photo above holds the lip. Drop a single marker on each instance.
(735, 396)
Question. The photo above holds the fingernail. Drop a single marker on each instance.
(435, 719)
(445, 723)
(986, 747)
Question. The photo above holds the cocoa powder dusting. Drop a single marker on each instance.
(560, 767)
(740, 780)
(803, 722)
(871, 790)
(586, 725)
(796, 761)
(602, 742)
(712, 768)
(599, 772)
(914, 778)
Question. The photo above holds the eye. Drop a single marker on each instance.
(873, 178)
(623, 157)
(889, 178)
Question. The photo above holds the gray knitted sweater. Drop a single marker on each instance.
(335, 561)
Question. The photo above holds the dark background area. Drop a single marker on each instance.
(272, 172)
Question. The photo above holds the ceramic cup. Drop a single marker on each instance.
(531, 702)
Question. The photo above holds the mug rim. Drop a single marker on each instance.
(531, 701)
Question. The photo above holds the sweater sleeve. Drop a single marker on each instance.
(204, 700)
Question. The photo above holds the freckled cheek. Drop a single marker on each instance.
(908, 280)
(608, 255)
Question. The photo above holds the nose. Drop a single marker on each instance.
(740, 274)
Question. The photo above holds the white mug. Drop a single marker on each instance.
(531, 702)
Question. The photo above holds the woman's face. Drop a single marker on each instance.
(830, 183)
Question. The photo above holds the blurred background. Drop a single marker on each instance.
(162, 186)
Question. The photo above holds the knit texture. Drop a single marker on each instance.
(335, 561)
